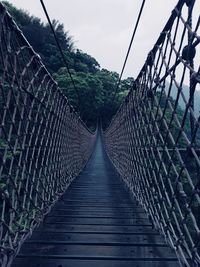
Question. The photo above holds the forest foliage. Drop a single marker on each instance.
(95, 85)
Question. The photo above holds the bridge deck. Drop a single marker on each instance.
(96, 224)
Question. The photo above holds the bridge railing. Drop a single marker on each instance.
(43, 143)
(154, 139)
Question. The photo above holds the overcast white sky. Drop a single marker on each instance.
(103, 28)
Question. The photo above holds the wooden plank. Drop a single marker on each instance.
(96, 228)
(97, 237)
(79, 249)
(94, 220)
(104, 212)
(34, 262)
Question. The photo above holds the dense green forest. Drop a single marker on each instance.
(95, 85)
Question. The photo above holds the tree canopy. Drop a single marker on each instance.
(95, 85)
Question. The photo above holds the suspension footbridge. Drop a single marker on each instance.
(128, 195)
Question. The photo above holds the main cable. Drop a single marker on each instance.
(61, 51)
(129, 48)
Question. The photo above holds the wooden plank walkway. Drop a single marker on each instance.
(96, 224)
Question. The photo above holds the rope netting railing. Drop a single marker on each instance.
(154, 139)
(43, 143)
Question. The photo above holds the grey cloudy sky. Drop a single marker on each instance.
(103, 28)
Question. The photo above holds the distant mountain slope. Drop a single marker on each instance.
(185, 91)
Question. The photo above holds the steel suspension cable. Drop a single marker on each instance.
(129, 47)
(60, 50)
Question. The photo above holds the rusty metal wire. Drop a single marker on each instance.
(43, 143)
(154, 139)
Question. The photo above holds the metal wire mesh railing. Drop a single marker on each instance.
(154, 139)
(43, 143)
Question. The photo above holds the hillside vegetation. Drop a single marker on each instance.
(95, 85)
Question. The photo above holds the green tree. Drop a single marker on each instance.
(95, 86)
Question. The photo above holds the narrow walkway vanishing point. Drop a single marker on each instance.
(96, 223)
